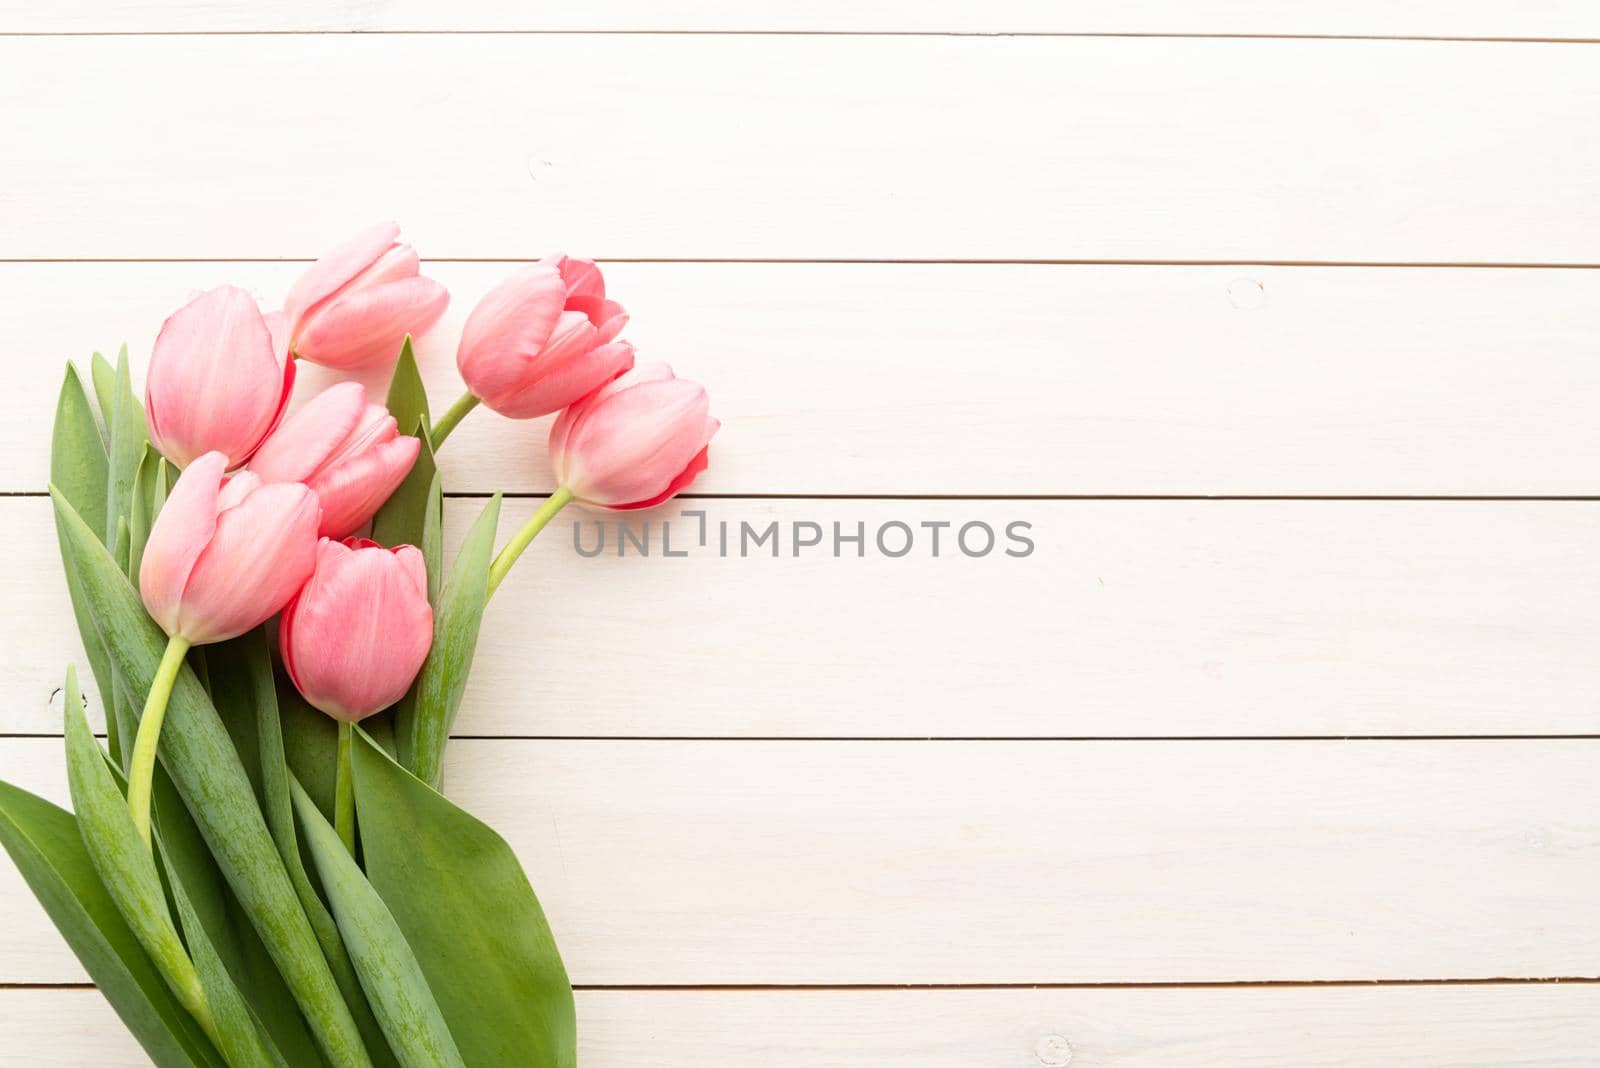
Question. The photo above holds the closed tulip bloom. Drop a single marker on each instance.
(356, 635)
(350, 452)
(634, 442)
(353, 308)
(215, 380)
(224, 556)
(543, 338)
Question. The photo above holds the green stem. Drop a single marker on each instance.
(447, 422)
(143, 767)
(344, 795)
(522, 538)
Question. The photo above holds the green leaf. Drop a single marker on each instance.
(465, 907)
(198, 753)
(44, 843)
(78, 461)
(246, 658)
(125, 426)
(127, 870)
(432, 543)
(241, 1035)
(78, 469)
(149, 494)
(389, 971)
(214, 915)
(408, 400)
(422, 724)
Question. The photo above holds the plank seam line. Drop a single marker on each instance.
(514, 495)
(1470, 265)
(960, 738)
(1241, 984)
(956, 34)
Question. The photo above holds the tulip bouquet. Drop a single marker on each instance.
(259, 868)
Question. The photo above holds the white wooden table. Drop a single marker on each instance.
(1280, 323)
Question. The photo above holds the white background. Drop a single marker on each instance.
(1279, 322)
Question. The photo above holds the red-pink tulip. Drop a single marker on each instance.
(634, 442)
(215, 381)
(543, 338)
(354, 307)
(348, 451)
(224, 556)
(357, 633)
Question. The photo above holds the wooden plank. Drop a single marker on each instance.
(1461, 18)
(841, 863)
(952, 379)
(1154, 618)
(804, 147)
(1496, 1026)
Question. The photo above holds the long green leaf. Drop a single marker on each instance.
(126, 867)
(247, 659)
(422, 724)
(389, 971)
(214, 915)
(44, 843)
(400, 520)
(78, 467)
(198, 753)
(125, 427)
(242, 1036)
(408, 399)
(465, 907)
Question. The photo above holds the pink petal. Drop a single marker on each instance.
(359, 632)
(305, 440)
(632, 447)
(352, 491)
(181, 531)
(214, 381)
(365, 326)
(262, 551)
(330, 273)
(508, 329)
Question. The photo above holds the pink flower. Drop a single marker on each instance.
(224, 556)
(349, 452)
(215, 381)
(354, 307)
(543, 338)
(634, 442)
(357, 633)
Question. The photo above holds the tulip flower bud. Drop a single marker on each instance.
(215, 380)
(634, 442)
(348, 451)
(224, 556)
(354, 307)
(543, 338)
(357, 633)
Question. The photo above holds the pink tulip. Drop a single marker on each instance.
(215, 381)
(357, 633)
(223, 556)
(636, 441)
(349, 452)
(543, 338)
(354, 307)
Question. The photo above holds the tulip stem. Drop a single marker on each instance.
(344, 796)
(522, 538)
(143, 767)
(452, 416)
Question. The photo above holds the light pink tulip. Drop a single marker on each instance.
(215, 380)
(348, 451)
(357, 633)
(543, 338)
(354, 307)
(223, 556)
(634, 442)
